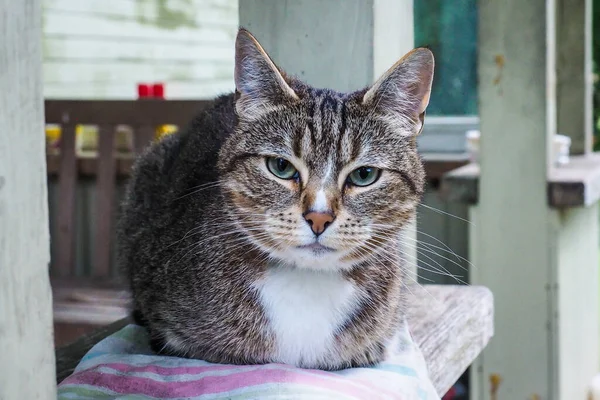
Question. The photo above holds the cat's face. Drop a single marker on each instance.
(321, 179)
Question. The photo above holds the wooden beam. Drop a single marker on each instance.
(540, 263)
(574, 80)
(66, 205)
(510, 239)
(26, 346)
(451, 325)
(105, 201)
(573, 185)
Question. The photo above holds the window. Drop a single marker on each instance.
(449, 29)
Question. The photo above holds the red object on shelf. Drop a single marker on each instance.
(144, 90)
(158, 90)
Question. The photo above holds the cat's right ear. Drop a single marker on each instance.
(260, 85)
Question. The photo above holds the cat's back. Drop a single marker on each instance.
(170, 180)
(185, 160)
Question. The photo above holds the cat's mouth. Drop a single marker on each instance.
(317, 248)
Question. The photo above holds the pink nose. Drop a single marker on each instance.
(319, 221)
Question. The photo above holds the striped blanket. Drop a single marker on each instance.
(122, 366)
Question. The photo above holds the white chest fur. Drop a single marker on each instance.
(305, 310)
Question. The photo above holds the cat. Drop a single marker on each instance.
(269, 229)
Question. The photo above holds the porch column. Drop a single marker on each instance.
(27, 369)
(541, 263)
(333, 44)
(574, 73)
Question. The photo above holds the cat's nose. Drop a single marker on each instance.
(319, 221)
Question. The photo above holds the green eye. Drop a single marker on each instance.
(364, 176)
(282, 168)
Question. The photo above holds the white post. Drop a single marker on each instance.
(27, 369)
(540, 263)
(574, 73)
(339, 45)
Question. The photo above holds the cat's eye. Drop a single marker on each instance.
(364, 176)
(282, 168)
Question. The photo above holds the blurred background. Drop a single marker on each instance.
(142, 68)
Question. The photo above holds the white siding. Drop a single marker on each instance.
(101, 49)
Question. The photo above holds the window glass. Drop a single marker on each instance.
(449, 29)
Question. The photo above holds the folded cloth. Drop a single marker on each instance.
(122, 366)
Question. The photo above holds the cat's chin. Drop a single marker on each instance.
(314, 258)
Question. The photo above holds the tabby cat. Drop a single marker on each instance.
(269, 229)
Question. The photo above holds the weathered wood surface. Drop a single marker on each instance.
(68, 357)
(102, 48)
(451, 324)
(106, 115)
(130, 112)
(571, 185)
(27, 366)
(436, 165)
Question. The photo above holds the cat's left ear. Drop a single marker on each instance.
(401, 95)
(260, 85)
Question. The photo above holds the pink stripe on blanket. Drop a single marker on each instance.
(355, 380)
(212, 384)
(169, 371)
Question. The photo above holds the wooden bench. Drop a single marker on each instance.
(451, 324)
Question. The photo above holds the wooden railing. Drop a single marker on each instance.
(106, 164)
(142, 117)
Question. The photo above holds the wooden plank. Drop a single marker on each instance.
(75, 24)
(88, 166)
(574, 81)
(118, 90)
(510, 240)
(149, 12)
(27, 366)
(451, 325)
(65, 264)
(75, 48)
(446, 134)
(88, 313)
(572, 185)
(132, 71)
(69, 356)
(105, 199)
(439, 164)
(114, 112)
(576, 300)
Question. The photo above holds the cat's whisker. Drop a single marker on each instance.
(196, 244)
(429, 246)
(445, 248)
(437, 210)
(208, 186)
(443, 271)
(446, 272)
(432, 269)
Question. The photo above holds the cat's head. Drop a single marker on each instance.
(322, 179)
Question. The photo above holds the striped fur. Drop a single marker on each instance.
(209, 236)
